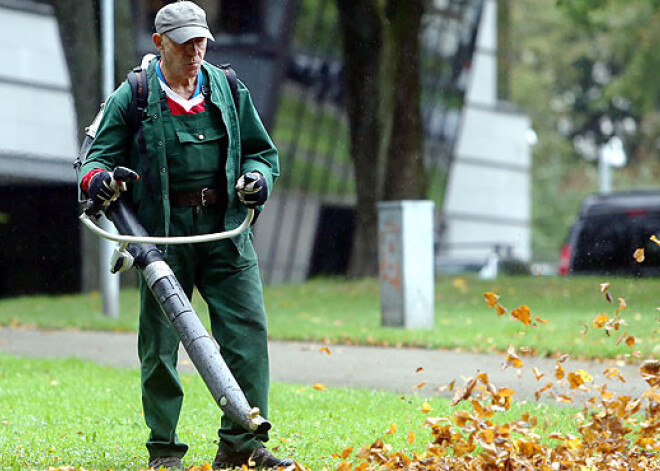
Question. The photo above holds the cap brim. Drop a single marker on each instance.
(186, 33)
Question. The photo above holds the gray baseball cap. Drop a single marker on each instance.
(182, 21)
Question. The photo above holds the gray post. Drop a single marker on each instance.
(109, 282)
(406, 256)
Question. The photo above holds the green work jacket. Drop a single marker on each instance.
(250, 148)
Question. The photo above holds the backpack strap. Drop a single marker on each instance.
(137, 79)
(233, 82)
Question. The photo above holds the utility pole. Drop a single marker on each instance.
(109, 281)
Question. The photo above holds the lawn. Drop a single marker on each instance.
(73, 413)
(339, 310)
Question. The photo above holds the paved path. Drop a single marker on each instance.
(390, 369)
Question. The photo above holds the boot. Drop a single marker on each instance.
(172, 463)
(259, 458)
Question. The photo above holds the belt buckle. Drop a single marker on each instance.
(203, 195)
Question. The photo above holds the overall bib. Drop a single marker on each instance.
(227, 280)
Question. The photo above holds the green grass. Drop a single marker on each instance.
(338, 310)
(349, 312)
(74, 413)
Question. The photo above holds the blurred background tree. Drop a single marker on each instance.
(79, 27)
(585, 70)
(381, 47)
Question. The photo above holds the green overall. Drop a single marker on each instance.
(225, 272)
(228, 281)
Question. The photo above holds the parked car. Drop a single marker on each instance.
(608, 231)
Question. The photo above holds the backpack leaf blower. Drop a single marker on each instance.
(138, 249)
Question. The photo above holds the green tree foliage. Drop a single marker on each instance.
(618, 91)
(584, 70)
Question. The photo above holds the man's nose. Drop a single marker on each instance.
(193, 47)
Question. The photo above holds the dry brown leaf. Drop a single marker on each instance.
(630, 341)
(461, 394)
(638, 255)
(501, 310)
(344, 466)
(419, 369)
(411, 437)
(522, 314)
(655, 239)
(420, 385)
(324, 349)
(622, 305)
(650, 371)
(609, 298)
(391, 430)
(614, 373)
(319, 386)
(537, 373)
(604, 287)
(600, 320)
(505, 392)
(538, 393)
(575, 380)
(559, 371)
(461, 417)
(586, 377)
(564, 398)
(491, 299)
(620, 339)
(512, 359)
(346, 452)
(426, 407)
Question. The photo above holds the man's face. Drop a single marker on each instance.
(183, 59)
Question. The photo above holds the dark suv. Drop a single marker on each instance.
(607, 232)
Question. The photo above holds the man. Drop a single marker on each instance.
(202, 160)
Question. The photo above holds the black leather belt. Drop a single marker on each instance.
(203, 197)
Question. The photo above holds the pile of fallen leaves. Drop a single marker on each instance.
(614, 432)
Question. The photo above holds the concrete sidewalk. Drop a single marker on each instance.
(381, 368)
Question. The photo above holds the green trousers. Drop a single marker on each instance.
(230, 284)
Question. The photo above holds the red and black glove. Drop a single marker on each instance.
(101, 186)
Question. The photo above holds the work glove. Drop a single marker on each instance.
(104, 188)
(252, 189)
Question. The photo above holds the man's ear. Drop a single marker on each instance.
(158, 41)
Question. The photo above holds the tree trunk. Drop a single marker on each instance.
(405, 176)
(78, 30)
(361, 27)
(79, 33)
